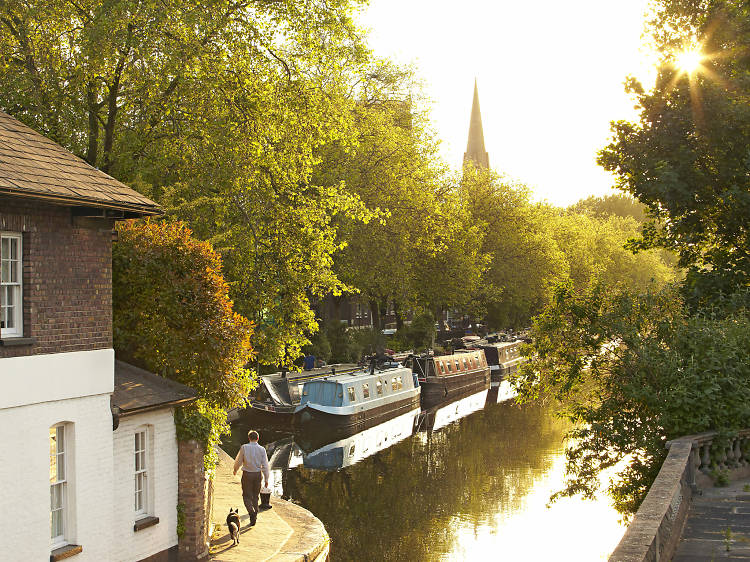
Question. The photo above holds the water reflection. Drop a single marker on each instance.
(470, 483)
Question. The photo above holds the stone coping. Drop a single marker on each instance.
(655, 530)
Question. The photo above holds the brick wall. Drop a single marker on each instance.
(67, 278)
(194, 494)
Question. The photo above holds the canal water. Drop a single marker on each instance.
(468, 480)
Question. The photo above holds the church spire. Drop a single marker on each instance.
(475, 146)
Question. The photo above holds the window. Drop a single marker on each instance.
(466, 363)
(352, 396)
(394, 384)
(141, 473)
(58, 484)
(458, 366)
(450, 366)
(400, 383)
(11, 272)
(365, 390)
(442, 367)
(379, 388)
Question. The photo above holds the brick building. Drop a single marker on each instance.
(89, 467)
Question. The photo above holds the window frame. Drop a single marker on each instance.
(352, 394)
(16, 285)
(365, 391)
(143, 471)
(62, 483)
(379, 387)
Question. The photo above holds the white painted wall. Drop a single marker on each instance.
(24, 466)
(130, 545)
(56, 376)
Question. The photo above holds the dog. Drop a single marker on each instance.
(233, 524)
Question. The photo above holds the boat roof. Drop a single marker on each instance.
(364, 375)
(317, 372)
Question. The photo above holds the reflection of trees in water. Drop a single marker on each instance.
(398, 504)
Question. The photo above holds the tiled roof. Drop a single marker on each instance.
(137, 390)
(34, 166)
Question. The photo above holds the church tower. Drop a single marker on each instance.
(475, 151)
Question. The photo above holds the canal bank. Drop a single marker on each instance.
(286, 533)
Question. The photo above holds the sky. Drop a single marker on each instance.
(550, 77)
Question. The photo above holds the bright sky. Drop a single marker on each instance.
(550, 77)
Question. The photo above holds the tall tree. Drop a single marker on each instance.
(687, 157)
(217, 109)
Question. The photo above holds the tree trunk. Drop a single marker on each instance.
(93, 109)
(383, 313)
(375, 313)
(397, 314)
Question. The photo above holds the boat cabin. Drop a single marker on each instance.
(357, 388)
(449, 365)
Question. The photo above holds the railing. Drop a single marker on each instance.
(693, 462)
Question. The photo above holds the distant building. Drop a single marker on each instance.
(89, 466)
(475, 151)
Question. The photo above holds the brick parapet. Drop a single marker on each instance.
(67, 278)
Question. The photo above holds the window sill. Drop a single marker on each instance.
(145, 523)
(11, 341)
(65, 552)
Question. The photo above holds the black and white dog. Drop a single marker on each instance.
(233, 524)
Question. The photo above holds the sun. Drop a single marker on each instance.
(689, 61)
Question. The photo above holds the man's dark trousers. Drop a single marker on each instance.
(250, 491)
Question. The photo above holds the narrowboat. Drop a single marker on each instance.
(444, 376)
(279, 394)
(441, 415)
(359, 400)
(502, 357)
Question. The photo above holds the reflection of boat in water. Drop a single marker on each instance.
(279, 394)
(345, 452)
(359, 400)
(443, 414)
(500, 392)
(445, 376)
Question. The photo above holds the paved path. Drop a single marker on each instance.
(718, 525)
(286, 533)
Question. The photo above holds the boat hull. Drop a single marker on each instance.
(310, 416)
(440, 389)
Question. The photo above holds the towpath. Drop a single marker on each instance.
(286, 533)
(718, 525)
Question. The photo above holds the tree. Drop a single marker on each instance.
(172, 315)
(632, 371)
(687, 157)
(216, 109)
(524, 260)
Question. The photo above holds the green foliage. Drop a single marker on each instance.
(180, 520)
(617, 204)
(687, 157)
(172, 316)
(416, 336)
(218, 110)
(634, 371)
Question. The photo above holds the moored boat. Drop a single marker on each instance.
(358, 400)
(279, 394)
(445, 376)
(503, 358)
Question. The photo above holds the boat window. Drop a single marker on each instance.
(458, 365)
(352, 396)
(450, 367)
(442, 366)
(400, 383)
(466, 363)
(365, 390)
(379, 387)
(394, 384)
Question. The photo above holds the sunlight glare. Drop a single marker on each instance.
(689, 61)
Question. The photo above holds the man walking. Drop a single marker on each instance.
(252, 459)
